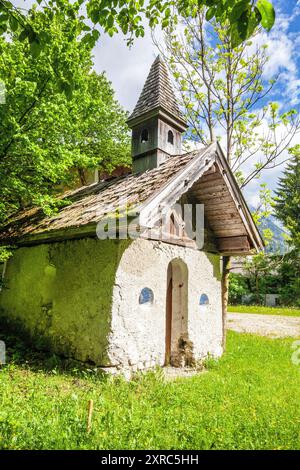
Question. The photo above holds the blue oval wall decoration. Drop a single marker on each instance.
(146, 296)
(204, 300)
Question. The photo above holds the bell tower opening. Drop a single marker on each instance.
(156, 122)
(171, 138)
(144, 136)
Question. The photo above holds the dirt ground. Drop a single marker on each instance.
(274, 326)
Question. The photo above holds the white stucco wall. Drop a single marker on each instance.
(137, 337)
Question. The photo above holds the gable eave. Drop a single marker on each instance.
(150, 211)
(161, 113)
(252, 230)
(177, 186)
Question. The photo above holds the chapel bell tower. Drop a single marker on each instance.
(156, 122)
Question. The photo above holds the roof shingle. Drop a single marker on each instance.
(157, 93)
(92, 203)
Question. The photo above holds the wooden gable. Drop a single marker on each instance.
(222, 215)
(229, 227)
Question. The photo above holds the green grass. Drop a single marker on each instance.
(249, 399)
(291, 312)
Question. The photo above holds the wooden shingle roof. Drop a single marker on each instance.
(203, 174)
(157, 93)
(90, 204)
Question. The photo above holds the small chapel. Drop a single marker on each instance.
(80, 286)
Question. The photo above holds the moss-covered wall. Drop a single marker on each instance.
(62, 293)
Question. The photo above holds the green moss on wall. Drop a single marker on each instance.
(215, 261)
(62, 292)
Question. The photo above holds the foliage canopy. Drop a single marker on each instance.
(128, 16)
(47, 137)
(287, 200)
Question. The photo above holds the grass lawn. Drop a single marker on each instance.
(292, 312)
(250, 399)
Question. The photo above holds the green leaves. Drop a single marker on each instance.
(129, 16)
(287, 200)
(247, 24)
(238, 10)
(110, 21)
(35, 47)
(67, 88)
(13, 22)
(244, 19)
(210, 13)
(267, 12)
(35, 41)
(58, 116)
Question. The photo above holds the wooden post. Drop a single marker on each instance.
(90, 414)
(169, 317)
(225, 287)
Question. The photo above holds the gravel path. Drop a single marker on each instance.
(275, 326)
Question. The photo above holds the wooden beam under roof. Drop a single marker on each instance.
(233, 245)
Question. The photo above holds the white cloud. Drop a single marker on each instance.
(283, 51)
(271, 175)
(126, 67)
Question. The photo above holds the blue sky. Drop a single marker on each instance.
(284, 52)
(128, 69)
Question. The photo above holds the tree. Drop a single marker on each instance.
(238, 287)
(102, 135)
(129, 15)
(221, 88)
(221, 85)
(243, 15)
(289, 279)
(287, 197)
(258, 270)
(287, 209)
(33, 28)
(45, 134)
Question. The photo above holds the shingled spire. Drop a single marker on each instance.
(157, 93)
(156, 122)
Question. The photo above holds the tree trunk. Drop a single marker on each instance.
(257, 289)
(225, 288)
(82, 176)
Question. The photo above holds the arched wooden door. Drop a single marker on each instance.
(176, 310)
(169, 316)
